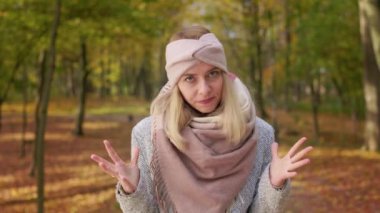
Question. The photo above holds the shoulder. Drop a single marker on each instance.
(264, 128)
(143, 127)
(265, 134)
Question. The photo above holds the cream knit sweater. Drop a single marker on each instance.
(257, 195)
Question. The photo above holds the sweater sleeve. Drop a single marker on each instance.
(268, 199)
(141, 200)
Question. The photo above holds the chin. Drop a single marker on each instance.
(206, 110)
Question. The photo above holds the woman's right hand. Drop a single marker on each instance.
(127, 174)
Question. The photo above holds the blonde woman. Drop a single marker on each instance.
(202, 149)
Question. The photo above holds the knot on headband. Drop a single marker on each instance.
(183, 54)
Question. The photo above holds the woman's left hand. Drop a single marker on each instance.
(284, 168)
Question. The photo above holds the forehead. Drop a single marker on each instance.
(199, 69)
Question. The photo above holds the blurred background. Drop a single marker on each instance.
(75, 72)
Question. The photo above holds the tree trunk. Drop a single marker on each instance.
(255, 55)
(273, 79)
(260, 91)
(372, 10)
(42, 112)
(8, 85)
(82, 92)
(41, 77)
(257, 58)
(287, 54)
(19, 61)
(371, 75)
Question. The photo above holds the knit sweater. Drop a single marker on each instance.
(257, 195)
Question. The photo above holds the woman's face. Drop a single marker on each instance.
(202, 86)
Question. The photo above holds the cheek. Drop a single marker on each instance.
(186, 93)
(220, 88)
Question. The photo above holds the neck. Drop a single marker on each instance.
(196, 113)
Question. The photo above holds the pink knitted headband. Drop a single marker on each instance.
(183, 54)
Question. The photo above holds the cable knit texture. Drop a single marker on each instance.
(257, 195)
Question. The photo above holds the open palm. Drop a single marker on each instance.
(284, 168)
(127, 174)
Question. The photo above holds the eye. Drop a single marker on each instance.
(214, 73)
(189, 78)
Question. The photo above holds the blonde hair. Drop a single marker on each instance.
(177, 115)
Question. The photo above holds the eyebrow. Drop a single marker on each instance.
(212, 69)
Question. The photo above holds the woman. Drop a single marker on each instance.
(202, 149)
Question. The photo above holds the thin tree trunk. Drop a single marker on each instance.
(287, 54)
(255, 56)
(371, 77)
(248, 11)
(19, 61)
(6, 90)
(42, 113)
(273, 79)
(41, 76)
(82, 92)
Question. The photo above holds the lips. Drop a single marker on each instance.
(206, 101)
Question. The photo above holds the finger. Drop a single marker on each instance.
(108, 170)
(274, 148)
(111, 152)
(296, 146)
(291, 174)
(125, 182)
(135, 156)
(99, 159)
(298, 164)
(301, 154)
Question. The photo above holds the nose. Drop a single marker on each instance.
(204, 87)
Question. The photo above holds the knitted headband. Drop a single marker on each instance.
(183, 54)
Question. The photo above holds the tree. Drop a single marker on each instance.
(42, 110)
(85, 72)
(252, 11)
(370, 32)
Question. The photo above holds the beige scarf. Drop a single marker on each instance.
(208, 174)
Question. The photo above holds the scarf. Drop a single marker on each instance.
(207, 174)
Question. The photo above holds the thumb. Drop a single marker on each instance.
(135, 156)
(274, 149)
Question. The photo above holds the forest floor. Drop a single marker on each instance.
(340, 178)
